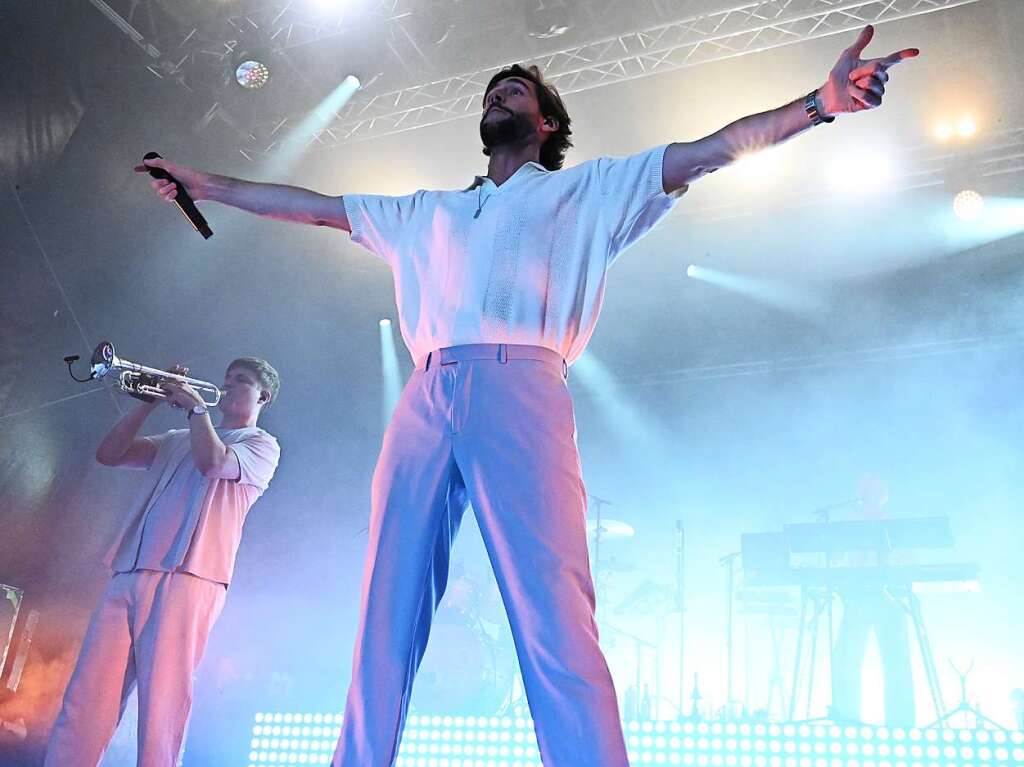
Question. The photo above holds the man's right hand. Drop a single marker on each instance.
(193, 180)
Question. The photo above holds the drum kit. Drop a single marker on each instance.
(473, 669)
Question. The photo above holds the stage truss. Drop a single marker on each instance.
(740, 29)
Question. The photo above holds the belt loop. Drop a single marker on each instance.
(502, 353)
(426, 365)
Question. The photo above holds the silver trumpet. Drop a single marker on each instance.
(144, 382)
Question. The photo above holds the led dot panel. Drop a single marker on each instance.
(285, 738)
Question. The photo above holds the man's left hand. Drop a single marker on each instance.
(855, 84)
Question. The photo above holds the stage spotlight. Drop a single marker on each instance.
(252, 74)
(968, 205)
(630, 421)
(300, 135)
(778, 294)
(963, 128)
(390, 374)
(966, 127)
(943, 130)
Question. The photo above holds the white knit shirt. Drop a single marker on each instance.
(520, 263)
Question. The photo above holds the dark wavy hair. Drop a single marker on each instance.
(552, 151)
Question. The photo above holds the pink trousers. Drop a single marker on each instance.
(490, 425)
(149, 629)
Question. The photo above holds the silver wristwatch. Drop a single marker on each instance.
(197, 410)
(811, 108)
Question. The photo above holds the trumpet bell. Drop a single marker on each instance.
(102, 359)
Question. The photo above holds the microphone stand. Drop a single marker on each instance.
(681, 606)
(824, 516)
(728, 561)
(599, 503)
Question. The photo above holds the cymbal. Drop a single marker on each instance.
(610, 529)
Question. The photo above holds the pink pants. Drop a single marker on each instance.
(149, 629)
(490, 425)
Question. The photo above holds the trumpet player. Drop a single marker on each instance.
(171, 565)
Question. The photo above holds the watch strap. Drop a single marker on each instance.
(811, 108)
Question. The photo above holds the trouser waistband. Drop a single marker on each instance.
(497, 352)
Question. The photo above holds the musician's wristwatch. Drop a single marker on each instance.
(197, 410)
(813, 112)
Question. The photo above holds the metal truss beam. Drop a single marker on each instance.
(743, 29)
(176, 51)
(1000, 153)
(747, 27)
(858, 358)
(289, 28)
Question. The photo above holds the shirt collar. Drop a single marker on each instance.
(479, 181)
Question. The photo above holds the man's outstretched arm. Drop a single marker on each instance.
(285, 203)
(853, 85)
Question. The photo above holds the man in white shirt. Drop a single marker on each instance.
(498, 289)
(172, 564)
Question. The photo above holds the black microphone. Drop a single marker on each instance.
(183, 201)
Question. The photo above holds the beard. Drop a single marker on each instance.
(511, 129)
